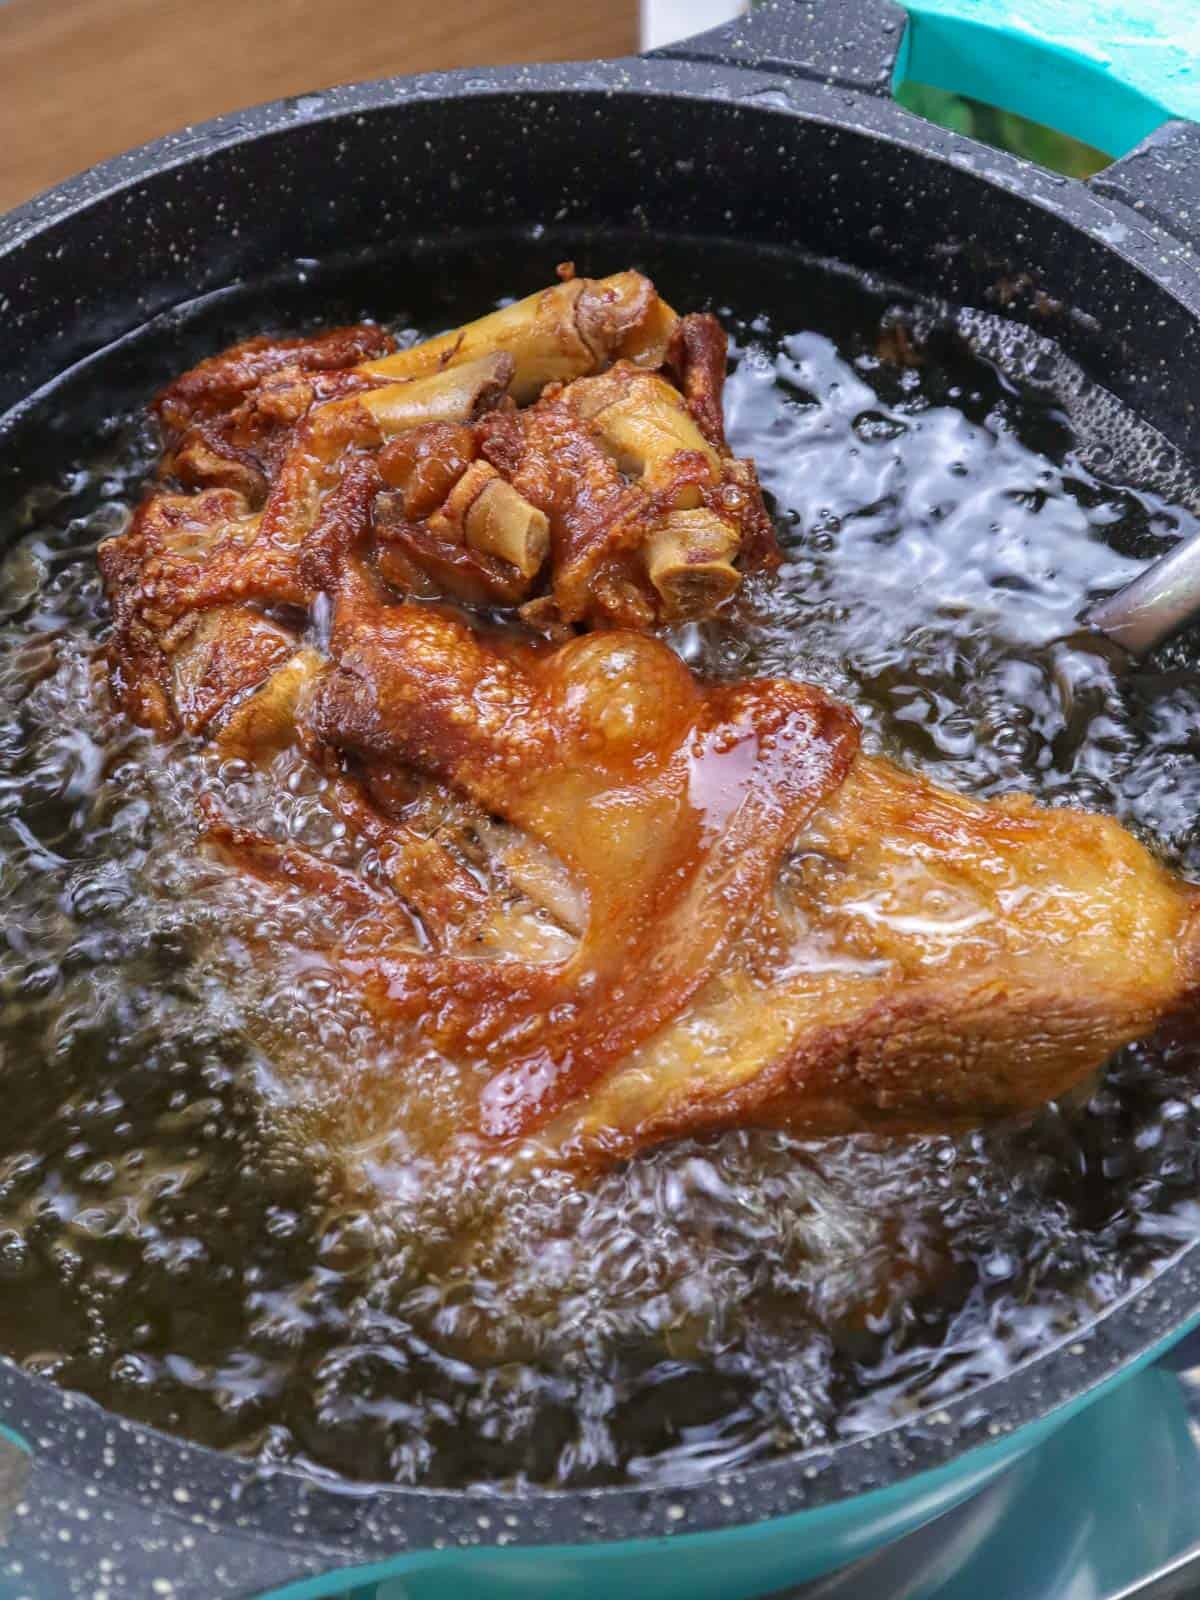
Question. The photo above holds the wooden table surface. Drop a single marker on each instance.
(84, 79)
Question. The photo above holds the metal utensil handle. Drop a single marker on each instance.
(1156, 603)
(1177, 1579)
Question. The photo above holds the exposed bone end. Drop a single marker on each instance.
(449, 524)
(417, 559)
(455, 394)
(503, 524)
(485, 512)
(689, 560)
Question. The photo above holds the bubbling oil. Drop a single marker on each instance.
(178, 1242)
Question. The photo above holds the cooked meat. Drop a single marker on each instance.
(929, 962)
(742, 917)
(668, 805)
(218, 385)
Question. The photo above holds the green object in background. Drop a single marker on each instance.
(1107, 72)
(1004, 129)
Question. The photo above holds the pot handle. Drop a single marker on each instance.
(853, 43)
(1122, 75)
(1160, 179)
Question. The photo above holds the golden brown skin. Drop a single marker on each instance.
(668, 805)
(267, 431)
(934, 961)
(622, 904)
(217, 386)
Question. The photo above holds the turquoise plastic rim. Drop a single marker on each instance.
(1105, 71)
(858, 1525)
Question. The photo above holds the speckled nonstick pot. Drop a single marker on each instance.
(781, 132)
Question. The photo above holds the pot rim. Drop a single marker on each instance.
(139, 1464)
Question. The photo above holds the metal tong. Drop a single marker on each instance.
(1155, 603)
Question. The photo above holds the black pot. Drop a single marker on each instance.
(779, 133)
